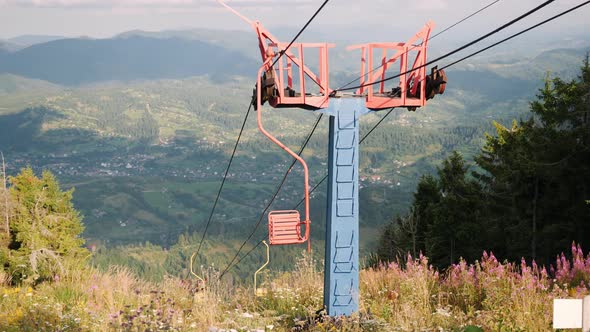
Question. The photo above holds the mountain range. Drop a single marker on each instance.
(141, 125)
(84, 61)
(148, 55)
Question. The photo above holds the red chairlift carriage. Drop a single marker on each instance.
(284, 226)
(415, 86)
(276, 84)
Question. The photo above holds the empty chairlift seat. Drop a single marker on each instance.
(284, 227)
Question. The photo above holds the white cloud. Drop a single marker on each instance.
(97, 3)
(140, 3)
(366, 19)
(429, 4)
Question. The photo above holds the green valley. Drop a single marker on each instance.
(146, 157)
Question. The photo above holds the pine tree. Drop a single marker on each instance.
(446, 213)
(45, 229)
(537, 173)
(529, 197)
(455, 229)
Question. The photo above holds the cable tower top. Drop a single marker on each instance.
(289, 82)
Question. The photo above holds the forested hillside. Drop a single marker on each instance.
(78, 61)
(146, 156)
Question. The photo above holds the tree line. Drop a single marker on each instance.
(527, 196)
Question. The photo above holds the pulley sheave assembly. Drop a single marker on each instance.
(269, 90)
(436, 83)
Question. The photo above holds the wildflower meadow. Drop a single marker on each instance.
(407, 295)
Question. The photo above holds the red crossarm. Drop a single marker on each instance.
(411, 90)
(290, 82)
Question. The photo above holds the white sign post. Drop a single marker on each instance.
(586, 315)
(572, 314)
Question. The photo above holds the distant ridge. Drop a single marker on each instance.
(25, 41)
(10, 83)
(7, 47)
(236, 40)
(82, 61)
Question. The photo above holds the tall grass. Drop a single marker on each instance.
(408, 295)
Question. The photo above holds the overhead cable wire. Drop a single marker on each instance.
(360, 142)
(518, 34)
(246, 255)
(449, 65)
(474, 54)
(487, 35)
(300, 32)
(275, 194)
(429, 39)
(223, 182)
(282, 52)
(478, 52)
(313, 189)
(249, 108)
(464, 19)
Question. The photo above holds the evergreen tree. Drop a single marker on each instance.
(445, 215)
(45, 229)
(393, 242)
(426, 199)
(528, 199)
(537, 173)
(452, 232)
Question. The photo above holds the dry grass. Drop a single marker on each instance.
(115, 300)
(491, 295)
(412, 298)
(4, 278)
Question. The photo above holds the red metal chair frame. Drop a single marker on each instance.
(377, 98)
(302, 99)
(279, 220)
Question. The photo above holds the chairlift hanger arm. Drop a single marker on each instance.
(262, 267)
(192, 271)
(306, 220)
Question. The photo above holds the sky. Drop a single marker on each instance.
(382, 18)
